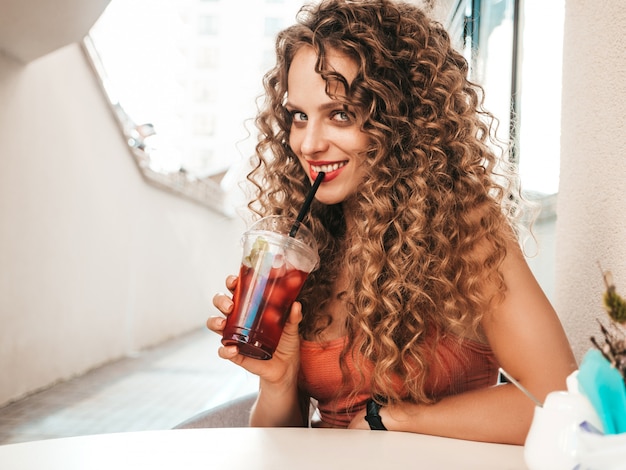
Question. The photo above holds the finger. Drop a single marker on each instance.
(228, 352)
(231, 283)
(289, 344)
(216, 324)
(231, 353)
(295, 317)
(223, 303)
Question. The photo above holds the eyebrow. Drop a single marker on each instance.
(322, 107)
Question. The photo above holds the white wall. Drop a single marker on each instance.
(591, 224)
(94, 263)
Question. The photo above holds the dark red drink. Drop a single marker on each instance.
(257, 335)
(274, 268)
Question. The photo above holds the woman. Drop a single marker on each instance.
(422, 291)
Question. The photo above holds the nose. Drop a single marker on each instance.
(314, 139)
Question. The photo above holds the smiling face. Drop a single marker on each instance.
(324, 135)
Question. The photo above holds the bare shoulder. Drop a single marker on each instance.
(524, 330)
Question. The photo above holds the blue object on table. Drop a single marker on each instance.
(604, 386)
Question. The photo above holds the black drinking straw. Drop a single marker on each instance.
(307, 203)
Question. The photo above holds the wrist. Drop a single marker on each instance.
(285, 391)
(276, 407)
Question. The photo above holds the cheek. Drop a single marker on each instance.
(362, 169)
(364, 141)
(357, 141)
(303, 164)
(361, 174)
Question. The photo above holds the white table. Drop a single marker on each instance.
(259, 448)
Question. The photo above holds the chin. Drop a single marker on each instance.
(332, 200)
(328, 200)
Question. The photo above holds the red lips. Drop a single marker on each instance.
(330, 175)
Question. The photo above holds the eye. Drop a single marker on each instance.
(341, 116)
(298, 116)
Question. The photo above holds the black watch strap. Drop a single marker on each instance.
(372, 416)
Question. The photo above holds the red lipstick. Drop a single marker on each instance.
(330, 175)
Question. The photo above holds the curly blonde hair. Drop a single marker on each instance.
(430, 202)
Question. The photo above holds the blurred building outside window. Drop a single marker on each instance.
(193, 70)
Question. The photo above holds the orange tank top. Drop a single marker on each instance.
(461, 367)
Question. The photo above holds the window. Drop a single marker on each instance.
(540, 94)
(493, 67)
(203, 125)
(204, 93)
(208, 25)
(192, 70)
(514, 48)
(207, 57)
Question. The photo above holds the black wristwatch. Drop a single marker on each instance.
(373, 417)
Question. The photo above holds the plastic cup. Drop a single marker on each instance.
(273, 270)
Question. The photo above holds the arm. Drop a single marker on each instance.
(529, 343)
(278, 402)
